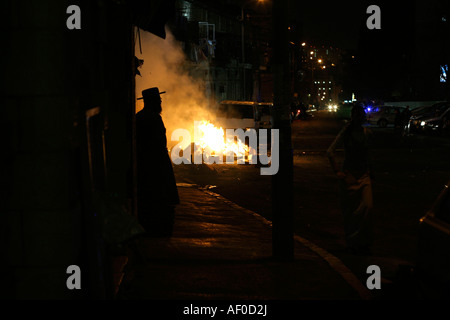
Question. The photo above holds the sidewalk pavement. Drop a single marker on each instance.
(221, 251)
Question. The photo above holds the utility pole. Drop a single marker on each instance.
(282, 182)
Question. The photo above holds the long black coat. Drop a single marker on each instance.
(156, 181)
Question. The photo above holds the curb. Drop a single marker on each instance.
(334, 262)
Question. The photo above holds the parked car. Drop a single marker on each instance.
(421, 111)
(383, 115)
(244, 115)
(414, 123)
(433, 254)
(434, 118)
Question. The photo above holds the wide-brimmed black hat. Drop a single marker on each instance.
(148, 93)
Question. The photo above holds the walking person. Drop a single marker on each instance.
(398, 121)
(157, 193)
(406, 116)
(355, 182)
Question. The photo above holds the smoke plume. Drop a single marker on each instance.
(166, 67)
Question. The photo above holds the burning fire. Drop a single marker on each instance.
(212, 139)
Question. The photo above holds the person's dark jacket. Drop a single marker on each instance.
(156, 180)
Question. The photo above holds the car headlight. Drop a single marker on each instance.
(433, 124)
(430, 124)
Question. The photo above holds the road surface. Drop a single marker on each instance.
(409, 174)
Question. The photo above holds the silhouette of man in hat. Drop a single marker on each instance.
(157, 191)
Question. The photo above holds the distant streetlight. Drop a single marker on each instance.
(320, 60)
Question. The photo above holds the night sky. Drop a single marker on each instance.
(339, 23)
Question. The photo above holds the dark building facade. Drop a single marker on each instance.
(227, 43)
(402, 61)
(67, 131)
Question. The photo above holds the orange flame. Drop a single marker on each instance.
(212, 138)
